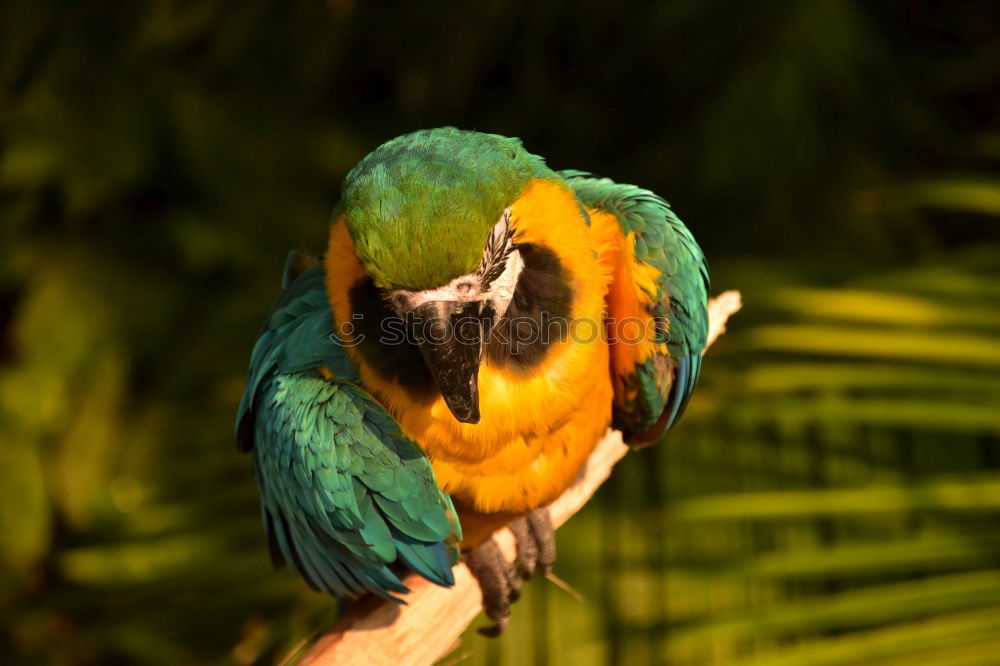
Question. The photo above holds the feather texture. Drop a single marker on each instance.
(344, 494)
(420, 207)
(657, 386)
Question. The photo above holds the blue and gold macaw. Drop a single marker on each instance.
(476, 325)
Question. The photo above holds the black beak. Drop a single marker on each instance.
(450, 337)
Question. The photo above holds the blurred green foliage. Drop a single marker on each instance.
(833, 495)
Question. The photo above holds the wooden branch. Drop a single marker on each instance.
(377, 632)
(720, 309)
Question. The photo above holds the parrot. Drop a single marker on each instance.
(476, 325)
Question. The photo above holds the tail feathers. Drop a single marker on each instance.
(686, 372)
(685, 379)
(429, 560)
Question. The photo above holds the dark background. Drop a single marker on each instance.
(832, 494)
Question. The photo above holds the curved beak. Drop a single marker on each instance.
(450, 337)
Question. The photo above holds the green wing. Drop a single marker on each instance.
(344, 493)
(663, 385)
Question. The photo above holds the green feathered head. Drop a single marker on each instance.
(420, 207)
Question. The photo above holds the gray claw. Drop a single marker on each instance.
(545, 539)
(499, 580)
(536, 542)
(527, 549)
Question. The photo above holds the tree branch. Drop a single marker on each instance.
(376, 632)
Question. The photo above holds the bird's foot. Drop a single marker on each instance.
(500, 584)
(500, 580)
(536, 543)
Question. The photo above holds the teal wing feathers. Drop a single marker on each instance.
(663, 386)
(344, 493)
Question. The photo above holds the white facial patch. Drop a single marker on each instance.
(501, 291)
(462, 289)
(470, 287)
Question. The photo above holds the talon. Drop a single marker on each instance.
(527, 549)
(499, 583)
(500, 580)
(545, 539)
(494, 631)
(536, 542)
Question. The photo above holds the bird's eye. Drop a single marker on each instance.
(464, 287)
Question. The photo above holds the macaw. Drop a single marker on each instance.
(476, 325)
